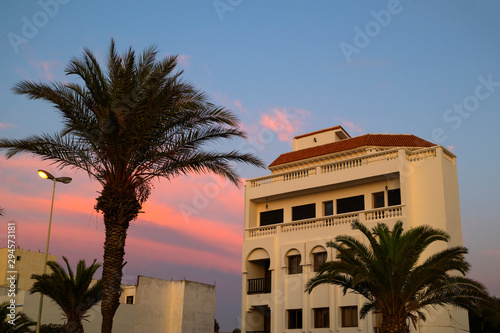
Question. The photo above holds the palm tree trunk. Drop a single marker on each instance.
(74, 325)
(119, 207)
(114, 252)
(394, 324)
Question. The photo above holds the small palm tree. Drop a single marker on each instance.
(20, 324)
(395, 281)
(127, 125)
(73, 293)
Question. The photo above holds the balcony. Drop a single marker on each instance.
(259, 286)
(373, 215)
(341, 163)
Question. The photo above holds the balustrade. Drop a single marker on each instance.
(353, 162)
(385, 213)
(259, 286)
(328, 221)
(262, 231)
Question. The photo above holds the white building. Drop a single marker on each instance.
(311, 196)
(152, 305)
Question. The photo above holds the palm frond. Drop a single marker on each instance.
(72, 292)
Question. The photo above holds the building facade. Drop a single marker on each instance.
(152, 305)
(312, 195)
(26, 262)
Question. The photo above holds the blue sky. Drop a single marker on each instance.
(429, 68)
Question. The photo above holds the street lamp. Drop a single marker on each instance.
(65, 180)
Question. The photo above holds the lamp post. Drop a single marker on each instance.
(65, 180)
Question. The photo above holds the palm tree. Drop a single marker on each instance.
(73, 293)
(20, 324)
(395, 281)
(127, 125)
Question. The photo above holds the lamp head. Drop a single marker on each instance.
(45, 175)
(64, 180)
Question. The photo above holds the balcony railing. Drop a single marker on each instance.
(373, 215)
(350, 163)
(259, 286)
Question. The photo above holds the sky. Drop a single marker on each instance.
(422, 67)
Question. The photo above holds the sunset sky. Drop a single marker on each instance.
(284, 68)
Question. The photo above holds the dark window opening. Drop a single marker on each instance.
(266, 313)
(303, 212)
(351, 204)
(294, 264)
(319, 259)
(261, 285)
(271, 217)
(321, 318)
(378, 200)
(18, 258)
(394, 197)
(328, 207)
(294, 318)
(349, 316)
(17, 285)
(130, 300)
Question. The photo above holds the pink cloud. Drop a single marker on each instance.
(183, 60)
(83, 242)
(223, 100)
(5, 125)
(286, 125)
(240, 107)
(166, 253)
(193, 206)
(45, 69)
(214, 218)
(351, 127)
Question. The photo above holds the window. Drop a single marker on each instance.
(328, 208)
(351, 204)
(294, 264)
(349, 316)
(18, 258)
(321, 318)
(303, 212)
(130, 300)
(271, 217)
(394, 197)
(294, 318)
(319, 258)
(378, 200)
(17, 284)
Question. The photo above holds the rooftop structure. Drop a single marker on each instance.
(152, 305)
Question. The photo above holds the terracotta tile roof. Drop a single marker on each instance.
(368, 140)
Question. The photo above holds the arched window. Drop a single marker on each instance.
(319, 256)
(294, 258)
